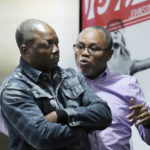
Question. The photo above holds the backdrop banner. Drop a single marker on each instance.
(100, 12)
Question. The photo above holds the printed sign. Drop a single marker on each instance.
(100, 12)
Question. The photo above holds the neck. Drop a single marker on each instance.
(97, 74)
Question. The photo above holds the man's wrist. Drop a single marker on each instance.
(62, 116)
(147, 126)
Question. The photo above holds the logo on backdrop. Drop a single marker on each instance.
(100, 12)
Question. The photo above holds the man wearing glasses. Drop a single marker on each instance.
(122, 92)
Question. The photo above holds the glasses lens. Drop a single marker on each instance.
(78, 48)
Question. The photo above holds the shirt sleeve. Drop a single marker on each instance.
(24, 116)
(140, 99)
(93, 113)
(3, 126)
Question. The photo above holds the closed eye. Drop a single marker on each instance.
(44, 45)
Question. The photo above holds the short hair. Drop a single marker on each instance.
(19, 37)
(24, 31)
(107, 36)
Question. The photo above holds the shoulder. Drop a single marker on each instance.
(126, 79)
(70, 72)
(16, 80)
(125, 84)
(72, 76)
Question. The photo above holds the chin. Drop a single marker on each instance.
(85, 73)
(53, 67)
(47, 69)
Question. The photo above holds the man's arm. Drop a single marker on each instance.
(93, 113)
(3, 127)
(139, 115)
(25, 117)
(52, 117)
(140, 111)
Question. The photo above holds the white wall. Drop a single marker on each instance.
(62, 15)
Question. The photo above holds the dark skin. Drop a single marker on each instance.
(43, 53)
(93, 65)
(139, 115)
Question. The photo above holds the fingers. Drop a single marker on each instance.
(144, 121)
(132, 101)
(139, 114)
(137, 109)
(130, 116)
(133, 118)
(142, 116)
(134, 106)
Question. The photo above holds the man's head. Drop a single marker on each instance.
(38, 44)
(93, 50)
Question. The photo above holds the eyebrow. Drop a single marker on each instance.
(91, 44)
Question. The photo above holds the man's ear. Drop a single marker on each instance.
(110, 53)
(24, 50)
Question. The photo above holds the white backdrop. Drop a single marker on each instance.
(62, 15)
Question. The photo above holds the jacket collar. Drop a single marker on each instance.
(35, 74)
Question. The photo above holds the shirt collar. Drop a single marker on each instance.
(35, 74)
(101, 77)
(30, 71)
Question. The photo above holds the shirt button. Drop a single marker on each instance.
(73, 121)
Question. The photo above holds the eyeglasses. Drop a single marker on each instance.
(79, 48)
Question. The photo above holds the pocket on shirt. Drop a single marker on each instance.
(73, 92)
(44, 100)
(39, 93)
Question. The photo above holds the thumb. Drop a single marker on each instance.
(132, 101)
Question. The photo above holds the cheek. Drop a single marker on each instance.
(98, 59)
(44, 54)
(95, 60)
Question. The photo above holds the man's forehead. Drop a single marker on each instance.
(41, 27)
(90, 33)
(43, 30)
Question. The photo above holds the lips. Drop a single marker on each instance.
(84, 62)
(55, 60)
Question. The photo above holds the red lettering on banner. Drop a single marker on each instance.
(100, 12)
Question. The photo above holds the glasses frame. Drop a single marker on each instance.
(89, 49)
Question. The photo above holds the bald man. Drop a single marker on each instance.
(44, 106)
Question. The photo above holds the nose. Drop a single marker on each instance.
(55, 49)
(85, 52)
